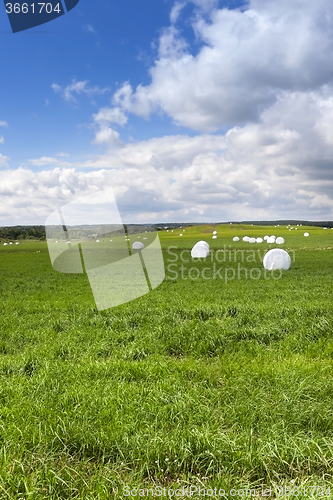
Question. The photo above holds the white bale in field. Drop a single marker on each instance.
(5, 244)
(246, 238)
(137, 245)
(306, 234)
(17, 243)
(202, 243)
(266, 237)
(259, 240)
(11, 243)
(235, 238)
(181, 234)
(270, 240)
(200, 250)
(279, 240)
(252, 240)
(97, 241)
(277, 259)
(214, 237)
(214, 232)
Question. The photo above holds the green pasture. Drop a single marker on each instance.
(205, 381)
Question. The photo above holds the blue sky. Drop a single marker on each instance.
(192, 110)
(104, 43)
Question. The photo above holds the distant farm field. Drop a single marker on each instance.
(221, 377)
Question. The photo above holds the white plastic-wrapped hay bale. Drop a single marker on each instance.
(259, 240)
(214, 232)
(202, 243)
(200, 250)
(246, 238)
(279, 240)
(277, 259)
(266, 237)
(306, 234)
(271, 239)
(252, 240)
(137, 245)
(235, 238)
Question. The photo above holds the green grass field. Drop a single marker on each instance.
(206, 382)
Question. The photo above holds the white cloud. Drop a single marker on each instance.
(107, 136)
(3, 124)
(175, 11)
(44, 160)
(77, 88)
(264, 74)
(247, 58)
(3, 160)
(2, 139)
(280, 167)
(110, 115)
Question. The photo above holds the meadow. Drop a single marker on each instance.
(203, 382)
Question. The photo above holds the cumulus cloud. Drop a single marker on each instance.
(110, 115)
(175, 11)
(77, 88)
(107, 136)
(247, 58)
(279, 167)
(263, 74)
(2, 140)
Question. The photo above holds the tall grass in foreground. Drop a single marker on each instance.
(199, 382)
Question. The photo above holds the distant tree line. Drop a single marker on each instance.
(23, 233)
(286, 222)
